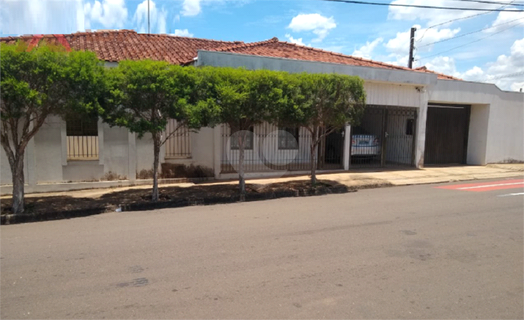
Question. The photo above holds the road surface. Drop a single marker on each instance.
(403, 252)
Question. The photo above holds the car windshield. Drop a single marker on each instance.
(358, 130)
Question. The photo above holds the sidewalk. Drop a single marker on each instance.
(359, 178)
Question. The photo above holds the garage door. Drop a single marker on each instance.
(446, 134)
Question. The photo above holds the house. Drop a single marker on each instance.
(414, 118)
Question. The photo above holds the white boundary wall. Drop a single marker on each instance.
(496, 129)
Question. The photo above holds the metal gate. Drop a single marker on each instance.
(385, 136)
(447, 129)
(331, 150)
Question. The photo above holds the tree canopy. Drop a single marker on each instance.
(38, 82)
(145, 95)
(322, 103)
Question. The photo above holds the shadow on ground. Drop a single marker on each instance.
(63, 207)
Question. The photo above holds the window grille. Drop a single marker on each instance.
(248, 144)
(178, 145)
(82, 138)
(288, 138)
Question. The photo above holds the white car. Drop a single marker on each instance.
(365, 144)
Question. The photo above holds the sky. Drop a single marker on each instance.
(472, 45)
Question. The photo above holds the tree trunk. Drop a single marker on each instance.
(313, 166)
(314, 143)
(17, 172)
(156, 150)
(241, 179)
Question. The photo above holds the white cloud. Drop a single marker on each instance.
(183, 33)
(473, 74)
(39, 17)
(109, 13)
(400, 44)
(314, 22)
(505, 20)
(398, 47)
(494, 72)
(435, 16)
(296, 41)
(191, 8)
(157, 18)
(366, 50)
(506, 65)
(445, 65)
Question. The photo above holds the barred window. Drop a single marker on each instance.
(288, 138)
(82, 138)
(178, 145)
(248, 143)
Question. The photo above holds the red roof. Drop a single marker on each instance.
(439, 75)
(116, 45)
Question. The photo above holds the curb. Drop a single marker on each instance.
(178, 203)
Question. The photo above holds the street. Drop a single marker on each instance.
(429, 251)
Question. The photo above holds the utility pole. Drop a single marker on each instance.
(148, 15)
(411, 48)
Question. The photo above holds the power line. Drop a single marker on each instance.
(510, 75)
(466, 44)
(424, 7)
(467, 34)
(459, 19)
(491, 2)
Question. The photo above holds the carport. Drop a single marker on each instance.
(386, 136)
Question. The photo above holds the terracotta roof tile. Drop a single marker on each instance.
(116, 45)
(439, 75)
(282, 49)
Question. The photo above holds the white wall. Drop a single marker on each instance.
(501, 111)
(120, 151)
(48, 145)
(396, 95)
(478, 134)
(385, 87)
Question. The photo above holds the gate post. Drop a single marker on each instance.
(346, 156)
(384, 138)
(217, 149)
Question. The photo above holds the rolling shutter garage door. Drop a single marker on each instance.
(447, 134)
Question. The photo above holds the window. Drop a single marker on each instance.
(288, 138)
(410, 127)
(82, 138)
(178, 145)
(248, 144)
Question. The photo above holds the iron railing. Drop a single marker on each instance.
(178, 145)
(272, 150)
(385, 136)
(82, 148)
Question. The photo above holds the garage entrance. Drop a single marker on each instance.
(447, 129)
(385, 136)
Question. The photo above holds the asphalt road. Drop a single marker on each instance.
(403, 252)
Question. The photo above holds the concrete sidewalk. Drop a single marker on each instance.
(361, 178)
(368, 178)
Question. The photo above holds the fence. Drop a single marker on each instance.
(82, 138)
(178, 145)
(385, 136)
(270, 148)
(82, 147)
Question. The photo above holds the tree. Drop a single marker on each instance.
(241, 99)
(322, 103)
(145, 95)
(38, 82)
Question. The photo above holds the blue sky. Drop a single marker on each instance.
(373, 32)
